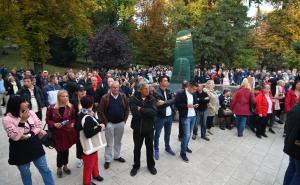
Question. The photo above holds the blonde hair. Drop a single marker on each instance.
(210, 84)
(61, 92)
(245, 84)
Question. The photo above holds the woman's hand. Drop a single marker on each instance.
(102, 126)
(24, 116)
(57, 125)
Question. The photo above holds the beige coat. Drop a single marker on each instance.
(213, 105)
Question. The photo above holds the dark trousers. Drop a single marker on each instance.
(262, 124)
(209, 123)
(39, 114)
(62, 158)
(138, 140)
(180, 129)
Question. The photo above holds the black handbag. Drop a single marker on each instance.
(252, 106)
(47, 138)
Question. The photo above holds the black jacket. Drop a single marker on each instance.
(9, 87)
(143, 120)
(170, 101)
(293, 133)
(70, 86)
(37, 93)
(200, 97)
(181, 103)
(97, 95)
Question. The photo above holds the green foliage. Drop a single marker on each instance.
(222, 34)
(291, 59)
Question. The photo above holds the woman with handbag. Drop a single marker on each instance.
(90, 128)
(23, 127)
(225, 114)
(213, 105)
(61, 118)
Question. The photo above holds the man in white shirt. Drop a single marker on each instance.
(185, 102)
(164, 120)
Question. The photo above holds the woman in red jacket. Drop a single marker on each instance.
(264, 109)
(292, 97)
(60, 119)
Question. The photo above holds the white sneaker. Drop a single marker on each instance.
(79, 163)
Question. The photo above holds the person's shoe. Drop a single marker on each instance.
(222, 128)
(264, 135)
(90, 184)
(99, 178)
(106, 165)
(134, 171)
(258, 136)
(194, 137)
(271, 130)
(59, 173)
(152, 170)
(170, 151)
(184, 158)
(209, 131)
(79, 163)
(67, 170)
(156, 155)
(189, 150)
(120, 159)
(240, 135)
(205, 138)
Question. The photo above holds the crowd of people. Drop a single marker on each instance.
(82, 104)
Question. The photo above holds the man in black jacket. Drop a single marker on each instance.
(292, 146)
(186, 103)
(164, 120)
(33, 95)
(143, 110)
(202, 99)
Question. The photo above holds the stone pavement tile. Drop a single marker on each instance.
(233, 181)
(255, 182)
(264, 178)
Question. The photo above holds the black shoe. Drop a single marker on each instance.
(258, 136)
(99, 178)
(189, 150)
(222, 128)
(134, 171)
(205, 138)
(152, 170)
(272, 131)
(120, 159)
(264, 135)
(184, 158)
(194, 137)
(59, 173)
(106, 165)
(67, 171)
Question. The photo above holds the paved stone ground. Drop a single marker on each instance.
(226, 159)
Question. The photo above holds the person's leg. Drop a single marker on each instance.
(264, 123)
(209, 122)
(190, 128)
(158, 127)
(138, 140)
(185, 135)
(259, 126)
(109, 135)
(238, 124)
(87, 169)
(198, 119)
(203, 121)
(60, 159)
(95, 171)
(243, 124)
(42, 166)
(118, 135)
(168, 128)
(296, 178)
(180, 135)
(290, 172)
(25, 174)
(149, 149)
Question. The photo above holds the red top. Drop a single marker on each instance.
(290, 100)
(262, 104)
(241, 102)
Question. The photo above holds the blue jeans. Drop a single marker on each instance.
(292, 174)
(201, 120)
(241, 124)
(41, 165)
(165, 123)
(187, 128)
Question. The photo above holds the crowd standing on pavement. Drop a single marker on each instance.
(83, 104)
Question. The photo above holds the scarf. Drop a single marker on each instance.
(88, 111)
